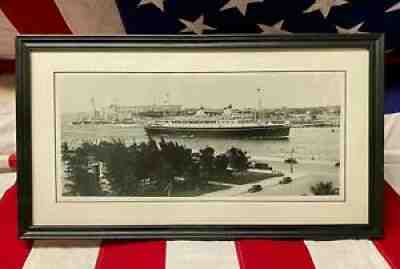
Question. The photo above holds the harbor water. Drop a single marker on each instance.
(319, 145)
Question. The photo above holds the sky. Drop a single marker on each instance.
(215, 90)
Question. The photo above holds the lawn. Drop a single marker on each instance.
(205, 189)
(244, 177)
(180, 190)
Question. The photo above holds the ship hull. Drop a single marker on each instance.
(262, 132)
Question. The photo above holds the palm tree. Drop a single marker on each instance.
(206, 163)
(238, 160)
(324, 188)
(221, 164)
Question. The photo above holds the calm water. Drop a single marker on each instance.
(319, 144)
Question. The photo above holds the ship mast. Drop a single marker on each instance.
(259, 102)
(166, 104)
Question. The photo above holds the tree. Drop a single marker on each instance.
(238, 160)
(221, 164)
(167, 177)
(65, 151)
(140, 168)
(324, 188)
(121, 163)
(178, 156)
(192, 174)
(80, 180)
(206, 163)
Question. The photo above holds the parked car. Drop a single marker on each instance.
(286, 180)
(263, 166)
(259, 165)
(255, 188)
(291, 160)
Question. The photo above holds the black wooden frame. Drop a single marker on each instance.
(26, 44)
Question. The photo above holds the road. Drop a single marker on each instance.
(236, 190)
(300, 185)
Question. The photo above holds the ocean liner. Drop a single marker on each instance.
(225, 125)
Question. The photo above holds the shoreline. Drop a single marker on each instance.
(282, 160)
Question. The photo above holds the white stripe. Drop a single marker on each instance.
(392, 150)
(395, 7)
(201, 255)
(4, 166)
(7, 134)
(91, 17)
(392, 156)
(6, 181)
(345, 254)
(63, 255)
(4, 161)
(7, 114)
(392, 131)
(7, 37)
(392, 176)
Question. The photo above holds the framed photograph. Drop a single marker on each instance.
(206, 138)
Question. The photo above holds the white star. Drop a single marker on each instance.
(395, 7)
(352, 30)
(197, 26)
(324, 6)
(157, 3)
(241, 5)
(274, 29)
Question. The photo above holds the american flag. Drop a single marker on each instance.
(199, 17)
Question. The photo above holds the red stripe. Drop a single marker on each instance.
(255, 254)
(35, 17)
(7, 66)
(388, 246)
(13, 251)
(128, 254)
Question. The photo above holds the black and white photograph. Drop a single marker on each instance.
(219, 134)
(211, 138)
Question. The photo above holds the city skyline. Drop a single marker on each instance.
(218, 108)
(292, 90)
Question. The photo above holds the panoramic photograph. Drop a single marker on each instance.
(243, 134)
